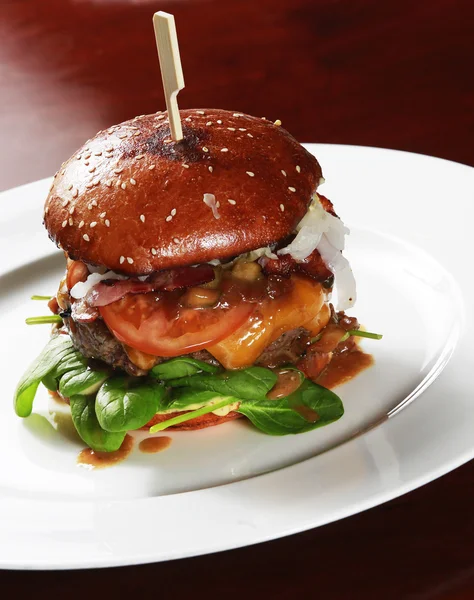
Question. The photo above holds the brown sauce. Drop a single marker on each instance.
(344, 367)
(101, 460)
(306, 412)
(288, 382)
(152, 445)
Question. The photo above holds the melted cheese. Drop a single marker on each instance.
(304, 306)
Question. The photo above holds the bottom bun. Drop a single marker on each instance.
(201, 422)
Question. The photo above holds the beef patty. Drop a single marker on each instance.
(94, 340)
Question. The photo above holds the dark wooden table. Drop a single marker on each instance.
(397, 74)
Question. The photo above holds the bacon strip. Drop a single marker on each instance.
(284, 265)
(106, 292)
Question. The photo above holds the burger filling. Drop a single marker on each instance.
(251, 336)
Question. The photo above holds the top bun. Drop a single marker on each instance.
(134, 201)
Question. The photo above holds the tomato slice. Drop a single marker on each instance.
(155, 323)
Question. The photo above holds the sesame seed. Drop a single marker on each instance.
(119, 181)
(224, 149)
(250, 135)
(277, 123)
(173, 212)
(91, 170)
(87, 156)
(70, 221)
(153, 251)
(64, 223)
(46, 210)
(122, 136)
(168, 218)
(109, 149)
(188, 119)
(123, 186)
(160, 117)
(176, 240)
(204, 149)
(209, 123)
(93, 224)
(108, 183)
(242, 129)
(250, 174)
(237, 115)
(200, 112)
(78, 157)
(231, 128)
(94, 202)
(185, 166)
(71, 210)
(96, 182)
(122, 260)
(89, 186)
(65, 203)
(86, 237)
(283, 173)
(102, 214)
(211, 168)
(63, 171)
(70, 186)
(97, 153)
(219, 121)
(89, 206)
(129, 260)
(81, 224)
(292, 189)
(107, 223)
(218, 204)
(87, 163)
(230, 201)
(151, 167)
(75, 193)
(139, 157)
(142, 218)
(118, 171)
(298, 169)
(282, 207)
(132, 181)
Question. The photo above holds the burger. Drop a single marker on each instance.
(204, 281)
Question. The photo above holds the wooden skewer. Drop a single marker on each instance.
(171, 70)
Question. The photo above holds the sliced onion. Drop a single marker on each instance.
(344, 282)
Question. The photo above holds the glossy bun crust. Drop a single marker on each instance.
(132, 200)
(198, 423)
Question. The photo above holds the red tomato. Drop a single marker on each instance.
(76, 271)
(157, 325)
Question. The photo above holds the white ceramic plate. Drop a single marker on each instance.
(231, 486)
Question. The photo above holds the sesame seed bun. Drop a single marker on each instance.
(136, 202)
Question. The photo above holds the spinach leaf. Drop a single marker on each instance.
(183, 398)
(248, 384)
(53, 353)
(88, 427)
(125, 403)
(182, 366)
(285, 415)
(191, 415)
(83, 381)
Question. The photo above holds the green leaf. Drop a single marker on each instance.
(83, 381)
(182, 366)
(285, 415)
(248, 384)
(124, 403)
(52, 354)
(183, 398)
(88, 427)
(191, 415)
